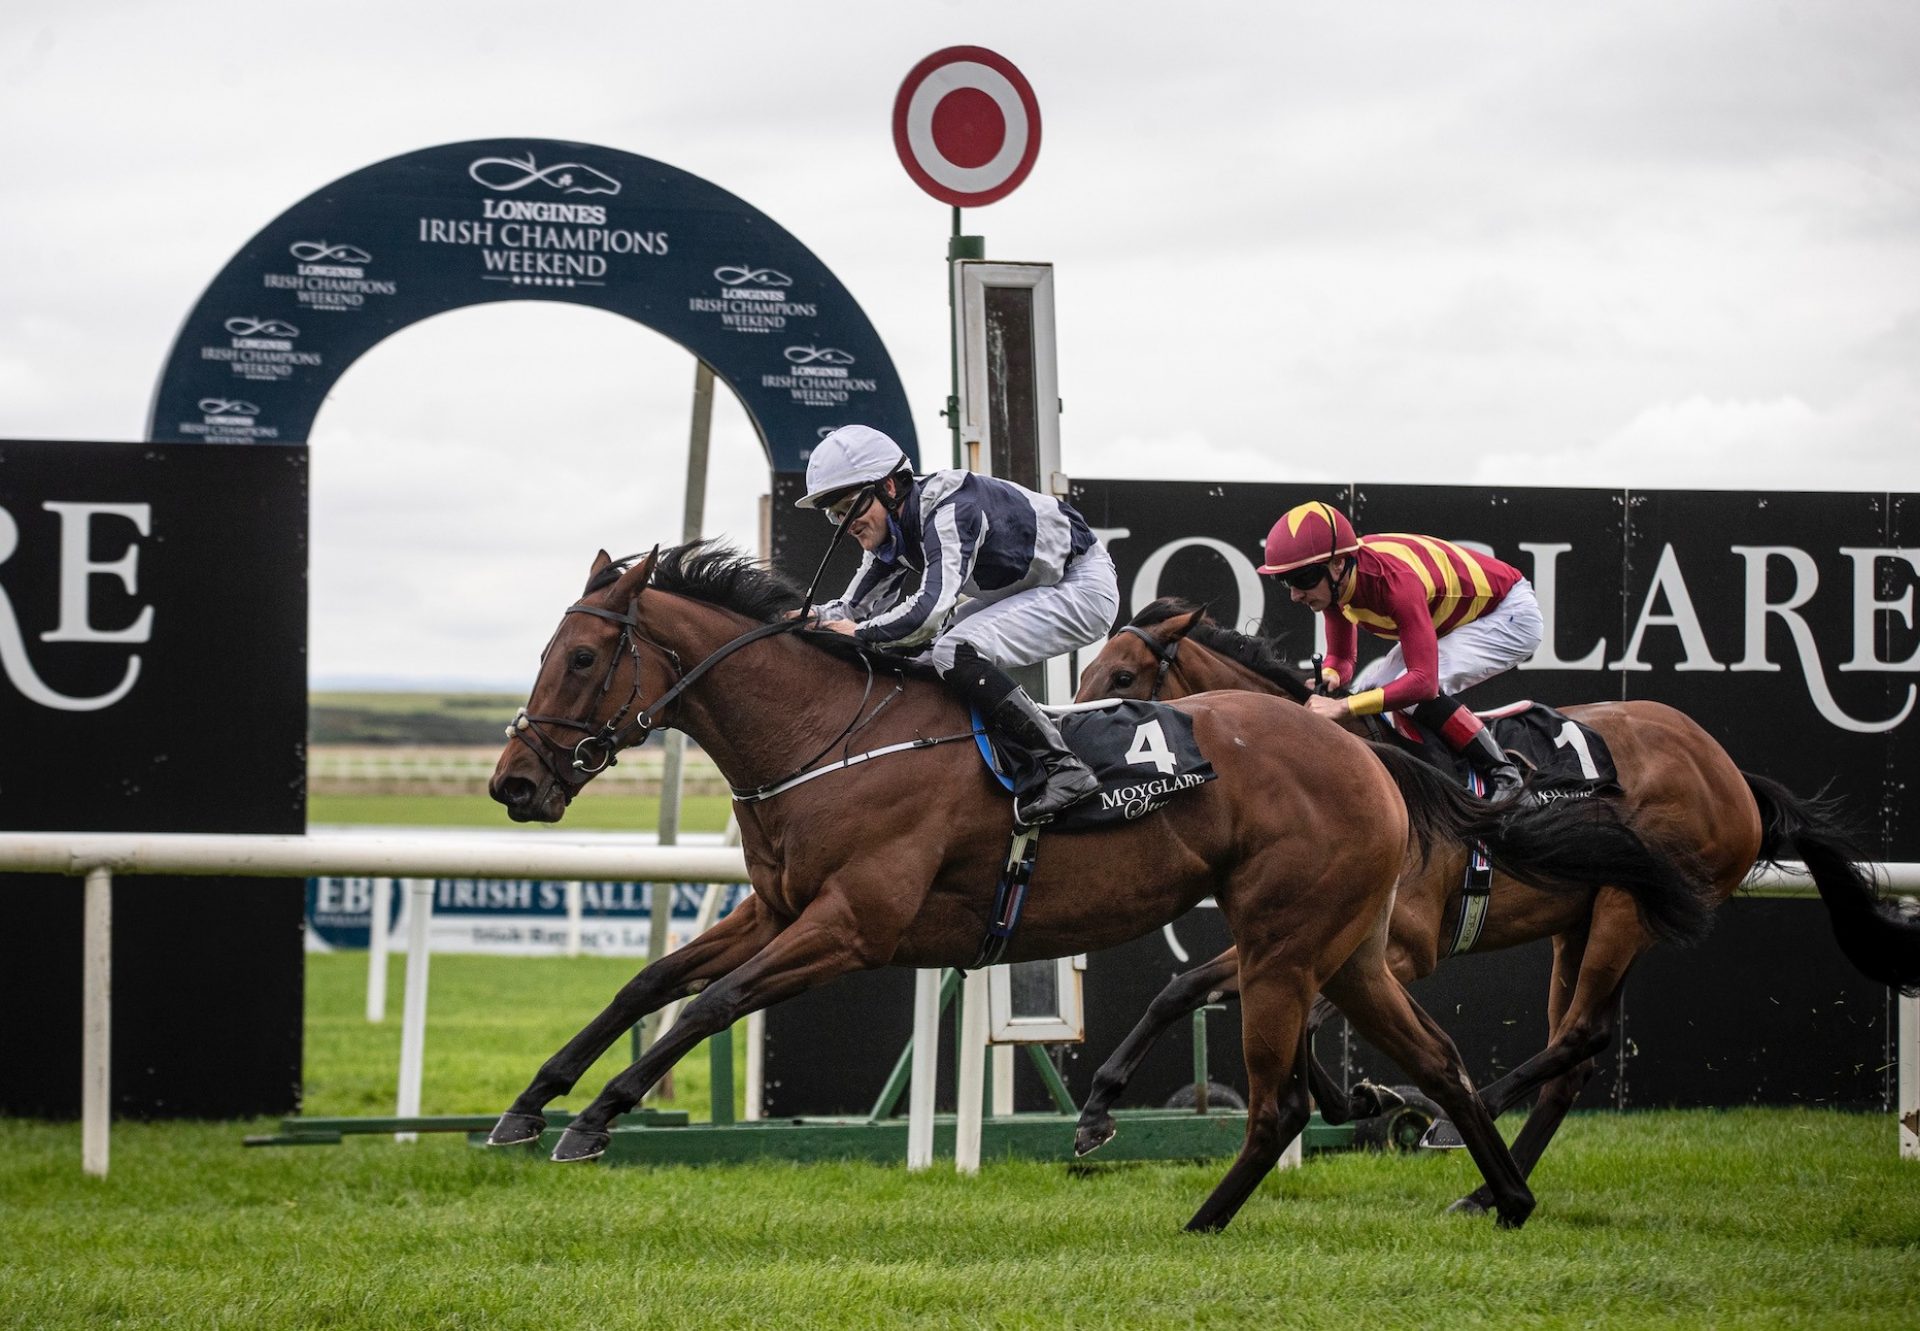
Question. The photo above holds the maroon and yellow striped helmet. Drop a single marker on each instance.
(1311, 533)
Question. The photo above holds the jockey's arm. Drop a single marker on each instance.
(949, 543)
(1420, 648)
(1343, 648)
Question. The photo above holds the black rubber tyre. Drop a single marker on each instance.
(1398, 1129)
(1218, 1097)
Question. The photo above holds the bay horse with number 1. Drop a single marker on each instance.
(893, 860)
(1682, 791)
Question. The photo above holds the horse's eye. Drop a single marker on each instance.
(582, 657)
(1123, 679)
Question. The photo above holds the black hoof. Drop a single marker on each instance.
(516, 1129)
(1474, 1203)
(1512, 1215)
(578, 1143)
(1092, 1134)
(1370, 1099)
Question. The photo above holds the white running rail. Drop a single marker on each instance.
(98, 856)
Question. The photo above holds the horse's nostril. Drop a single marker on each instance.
(515, 791)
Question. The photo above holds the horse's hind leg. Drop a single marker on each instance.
(1273, 1012)
(1386, 1014)
(1185, 993)
(1588, 974)
(719, 950)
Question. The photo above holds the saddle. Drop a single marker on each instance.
(1143, 753)
(1537, 736)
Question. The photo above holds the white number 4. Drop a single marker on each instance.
(1150, 749)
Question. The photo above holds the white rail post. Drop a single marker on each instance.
(1909, 1059)
(377, 949)
(576, 907)
(973, 1073)
(96, 1055)
(926, 1062)
(413, 1017)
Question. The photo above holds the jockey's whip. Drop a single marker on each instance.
(806, 603)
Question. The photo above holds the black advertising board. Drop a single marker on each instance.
(1786, 624)
(525, 219)
(153, 678)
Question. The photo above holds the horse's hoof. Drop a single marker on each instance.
(1474, 1203)
(1092, 1134)
(1512, 1215)
(1384, 1099)
(581, 1144)
(516, 1129)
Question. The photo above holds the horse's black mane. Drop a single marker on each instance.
(1260, 655)
(714, 573)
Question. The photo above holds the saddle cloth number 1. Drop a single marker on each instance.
(1150, 749)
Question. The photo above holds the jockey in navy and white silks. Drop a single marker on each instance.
(975, 573)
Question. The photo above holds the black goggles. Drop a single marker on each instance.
(1306, 577)
(849, 506)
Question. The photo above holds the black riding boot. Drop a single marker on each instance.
(1460, 730)
(1018, 721)
(1502, 773)
(1011, 715)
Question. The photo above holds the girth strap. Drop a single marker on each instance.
(1476, 888)
(1009, 897)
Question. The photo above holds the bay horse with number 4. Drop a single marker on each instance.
(893, 860)
(1682, 792)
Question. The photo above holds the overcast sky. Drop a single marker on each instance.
(1646, 244)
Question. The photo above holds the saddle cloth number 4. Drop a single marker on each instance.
(1150, 748)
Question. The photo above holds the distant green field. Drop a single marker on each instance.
(593, 811)
(409, 718)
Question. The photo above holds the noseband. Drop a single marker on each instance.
(1165, 653)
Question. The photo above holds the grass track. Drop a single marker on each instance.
(1740, 1219)
(1747, 1219)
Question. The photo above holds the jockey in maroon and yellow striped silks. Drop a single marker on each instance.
(1456, 617)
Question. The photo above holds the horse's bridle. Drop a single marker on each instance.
(598, 744)
(1165, 653)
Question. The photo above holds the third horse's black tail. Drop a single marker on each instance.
(1565, 845)
(1880, 939)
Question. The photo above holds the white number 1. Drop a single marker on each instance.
(1570, 736)
(1150, 749)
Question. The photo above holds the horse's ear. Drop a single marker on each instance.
(600, 561)
(1179, 626)
(634, 580)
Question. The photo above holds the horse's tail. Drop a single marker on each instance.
(1880, 939)
(1564, 845)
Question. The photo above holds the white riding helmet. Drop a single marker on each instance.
(852, 455)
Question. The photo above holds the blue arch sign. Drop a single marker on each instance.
(525, 219)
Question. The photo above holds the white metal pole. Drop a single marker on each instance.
(973, 1073)
(96, 1055)
(576, 907)
(413, 1018)
(926, 1064)
(1909, 1058)
(1002, 1080)
(377, 949)
(756, 1065)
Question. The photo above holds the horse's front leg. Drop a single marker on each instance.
(683, 971)
(1186, 992)
(830, 939)
(1338, 1104)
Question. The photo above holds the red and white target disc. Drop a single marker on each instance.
(966, 125)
